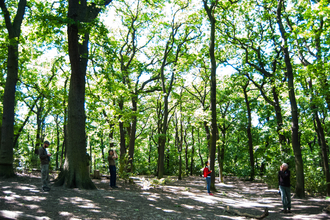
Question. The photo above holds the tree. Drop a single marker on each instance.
(225, 103)
(321, 136)
(300, 181)
(249, 127)
(137, 19)
(260, 51)
(74, 173)
(210, 13)
(311, 35)
(7, 127)
(180, 34)
(200, 92)
(179, 141)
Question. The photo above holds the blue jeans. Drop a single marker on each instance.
(286, 197)
(112, 175)
(208, 182)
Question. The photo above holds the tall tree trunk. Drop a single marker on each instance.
(248, 130)
(150, 148)
(171, 47)
(102, 148)
(57, 140)
(179, 141)
(300, 181)
(8, 116)
(192, 151)
(65, 116)
(75, 173)
(214, 128)
(279, 121)
(199, 148)
(221, 154)
(283, 138)
(62, 155)
(208, 137)
(162, 138)
(180, 166)
(122, 139)
(111, 128)
(322, 141)
(186, 152)
(91, 162)
(39, 136)
(132, 133)
(65, 139)
(112, 144)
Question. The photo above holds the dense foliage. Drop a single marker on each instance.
(148, 87)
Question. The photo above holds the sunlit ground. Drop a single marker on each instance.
(186, 199)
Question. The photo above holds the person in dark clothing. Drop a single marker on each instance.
(112, 167)
(284, 185)
(207, 175)
(44, 159)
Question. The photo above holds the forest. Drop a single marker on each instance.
(168, 84)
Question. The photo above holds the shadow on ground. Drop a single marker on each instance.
(22, 198)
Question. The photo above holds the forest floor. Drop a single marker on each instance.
(21, 197)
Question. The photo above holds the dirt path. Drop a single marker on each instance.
(21, 198)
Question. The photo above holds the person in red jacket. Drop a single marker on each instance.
(207, 175)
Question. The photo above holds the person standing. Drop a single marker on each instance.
(207, 175)
(44, 159)
(112, 167)
(284, 185)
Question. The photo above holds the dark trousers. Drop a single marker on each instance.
(112, 175)
(45, 175)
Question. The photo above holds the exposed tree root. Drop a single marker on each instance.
(247, 214)
(72, 180)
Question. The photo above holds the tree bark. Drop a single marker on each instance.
(178, 143)
(248, 131)
(199, 148)
(210, 11)
(150, 149)
(8, 117)
(279, 121)
(221, 152)
(74, 173)
(162, 137)
(133, 132)
(322, 141)
(186, 152)
(276, 104)
(122, 133)
(192, 151)
(57, 140)
(300, 182)
(39, 136)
